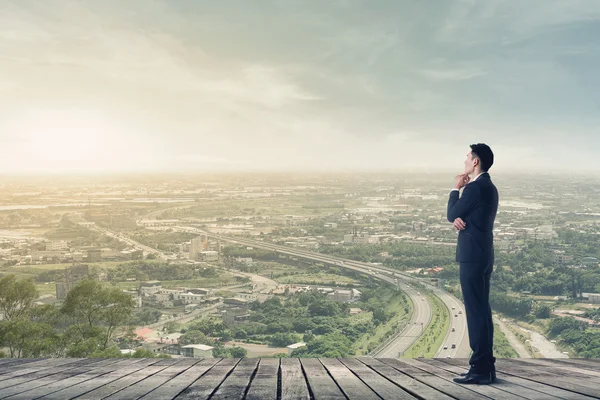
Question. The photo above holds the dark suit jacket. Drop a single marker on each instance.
(477, 206)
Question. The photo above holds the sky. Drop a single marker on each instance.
(279, 85)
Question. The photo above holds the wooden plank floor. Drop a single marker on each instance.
(268, 378)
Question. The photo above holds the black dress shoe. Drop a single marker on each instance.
(475, 379)
(493, 374)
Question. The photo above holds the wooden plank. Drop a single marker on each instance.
(380, 385)
(42, 378)
(431, 379)
(570, 369)
(537, 375)
(493, 391)
(178, 384)
(293, 382)
(320, 384)
(127, 380)
(540, 387)
(71, 377)
(238, 382)
(208, 383)
(265, 382)
(112, 374)
(506, 385)
(18, 379)
(351, 385)
(573, 375)
(145, 386)
(583, 363)
(403, 380)
(16, 364)
(6, 363)
(30, 368)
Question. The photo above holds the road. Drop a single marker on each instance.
(419, 322)
(457, 335)
(421, 317)
(131, 242)
(512, 339)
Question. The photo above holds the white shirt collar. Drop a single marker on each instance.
(473, 180)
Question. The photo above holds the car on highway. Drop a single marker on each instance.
(453, 345)
(460, 311)
(456, 315)
(453, 307)
(453, 329)
(445, 347)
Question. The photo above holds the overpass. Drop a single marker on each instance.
(422, 313)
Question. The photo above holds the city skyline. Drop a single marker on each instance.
(293, 85)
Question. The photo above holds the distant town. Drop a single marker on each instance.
(188, 250)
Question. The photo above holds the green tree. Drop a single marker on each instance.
(238, 352)
(16, 296)
(543, 311)
(97, 311)
(25, 338)
(192, 337)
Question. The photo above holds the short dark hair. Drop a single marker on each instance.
(485, 155)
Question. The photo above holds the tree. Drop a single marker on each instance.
(192, 337)
(238, 352)
(543, 311)
(25, 338)
(16, 296)
(97, 311)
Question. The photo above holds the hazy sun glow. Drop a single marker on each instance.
(73, 140)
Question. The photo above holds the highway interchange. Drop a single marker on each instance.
(414, 289)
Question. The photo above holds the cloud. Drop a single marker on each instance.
(295, 84)
(451, 74)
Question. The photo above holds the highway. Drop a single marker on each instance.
(422, 309)
(131, 242)
(419, 322)
(420, 318)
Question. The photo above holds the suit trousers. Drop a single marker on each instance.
(475, 284)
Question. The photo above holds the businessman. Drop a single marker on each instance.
(472, 214)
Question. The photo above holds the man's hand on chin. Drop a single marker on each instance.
(461, 180)
(459, 224)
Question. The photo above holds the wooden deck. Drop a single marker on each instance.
(292, 378)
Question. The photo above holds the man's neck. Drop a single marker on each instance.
(476, 174)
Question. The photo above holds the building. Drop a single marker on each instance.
(150, 287)
(59, 245)
(189, 298)
(246, 296)
(197, 351)
(358, 238)
(344, 295)
(245, 260)
(132, 254)
(198, 245)
(94, 255)
(234, 315)
(208, 256)
(135, 296)
(295, 346)
(594, 298)
(73, 275)
(561, 257)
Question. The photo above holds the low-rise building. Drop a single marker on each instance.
(150, 287)
(295, 346)
(197, 351)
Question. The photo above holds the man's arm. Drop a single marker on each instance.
(461, 207)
